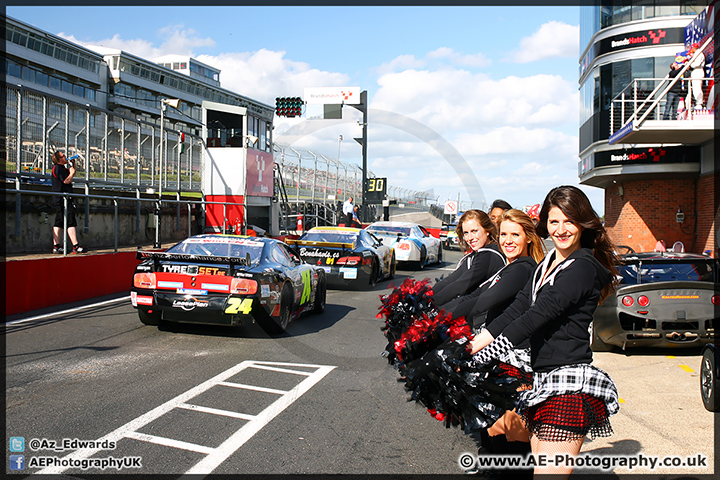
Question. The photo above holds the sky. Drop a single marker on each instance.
(489, 91)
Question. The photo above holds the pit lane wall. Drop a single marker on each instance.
(34, 284)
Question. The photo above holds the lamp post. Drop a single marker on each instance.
(175, 103)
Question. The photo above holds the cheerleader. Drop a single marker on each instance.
(523, 249)
(570, 398)
(479, 234)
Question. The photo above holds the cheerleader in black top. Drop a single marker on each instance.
(523, 248)
(570, 398)
(479, 234)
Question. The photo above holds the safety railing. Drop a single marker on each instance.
(642, 99)
(157, 207)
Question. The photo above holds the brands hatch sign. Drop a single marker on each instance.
(332, 95)
(637, 39)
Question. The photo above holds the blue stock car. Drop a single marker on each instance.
(226, 280)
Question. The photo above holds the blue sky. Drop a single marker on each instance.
(498, 84)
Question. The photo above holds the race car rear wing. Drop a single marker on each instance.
(307, 243)
(245, 261)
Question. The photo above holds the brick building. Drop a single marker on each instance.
(657, 170)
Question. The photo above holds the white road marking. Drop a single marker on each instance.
(169, 442)
(70, 310)
(215, 456)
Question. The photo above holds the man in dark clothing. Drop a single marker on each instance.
(674, 94)
(62, 174)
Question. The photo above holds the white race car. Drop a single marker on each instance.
(410, 241)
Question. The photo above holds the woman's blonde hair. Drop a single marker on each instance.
(536, 247)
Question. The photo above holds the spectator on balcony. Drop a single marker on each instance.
(697, 73)
(674, 94)
(62, 175)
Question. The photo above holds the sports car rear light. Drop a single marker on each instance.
(348, 260)
(403, 246)
(643, 301)
(243, 285)
(627, 301)
(144, 280)
(715, 299)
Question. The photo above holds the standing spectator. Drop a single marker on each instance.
(697, 73)
(62, 175)
(674, 94)
(348, 210)
(570, 397)
(496, 210)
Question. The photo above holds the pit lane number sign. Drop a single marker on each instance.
(375, 191)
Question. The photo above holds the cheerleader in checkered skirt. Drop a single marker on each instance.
(570, 398)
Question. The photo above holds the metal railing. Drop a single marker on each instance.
(642, 98)
(157, 209)
(114, 150)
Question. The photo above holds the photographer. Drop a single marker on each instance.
(62, 174)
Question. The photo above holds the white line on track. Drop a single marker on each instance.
(70, 310)
(215, 456)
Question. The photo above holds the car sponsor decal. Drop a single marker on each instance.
(307, 290)
(193, 270)
(237, 305)
(166, 284)
(315, 252)
(348, 273)
(327, 269)
(680, 297)
(192, 291)
(143, 300)
(215, 286)
(265, 290)
(226, 241)
(190, 303)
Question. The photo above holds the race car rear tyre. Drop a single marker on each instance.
(708, 381)
(423, 257)
(374, 273)
(320, 296)
(440, 249)
(277, 325)
(391, 275)
(149, 318)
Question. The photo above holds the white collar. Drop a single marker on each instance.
(538, 281)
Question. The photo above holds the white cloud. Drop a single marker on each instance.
(176, 40)
(266, 74)
(441, 58)
(552, 39)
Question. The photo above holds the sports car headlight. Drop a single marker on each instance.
(144, 280)
(243, 285)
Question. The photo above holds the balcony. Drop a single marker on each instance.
(637, 114)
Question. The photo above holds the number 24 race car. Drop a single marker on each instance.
(227, 280)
